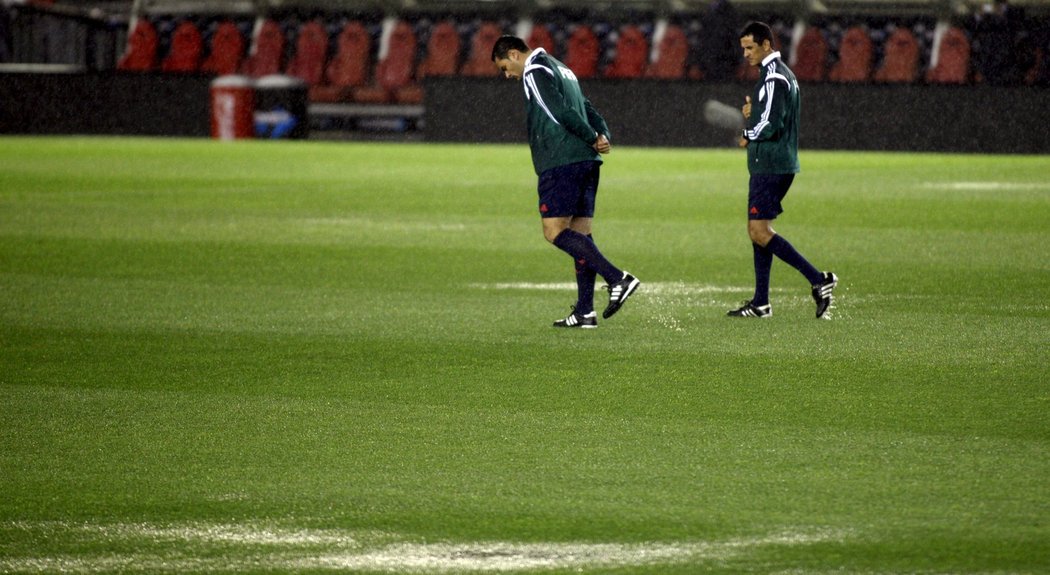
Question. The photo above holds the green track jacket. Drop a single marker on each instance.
(772, 129)
(563, 125)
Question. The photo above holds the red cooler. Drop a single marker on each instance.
(232, 108)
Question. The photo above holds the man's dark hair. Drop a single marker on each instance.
(759, 31)
(506, 44)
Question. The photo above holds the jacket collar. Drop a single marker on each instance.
(532, 56)
(774, 56)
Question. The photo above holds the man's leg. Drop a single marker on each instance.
(823, 282)
(559, 232)
(580, 247)
(585, 275)
(567, 198)
(763, 266)
(762, 234)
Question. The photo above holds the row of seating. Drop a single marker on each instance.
(348, 73)
(900, 62)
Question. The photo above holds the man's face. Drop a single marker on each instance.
(755, 53)
(513, 65)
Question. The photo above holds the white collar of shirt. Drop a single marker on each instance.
(535, 52)
(770, 58)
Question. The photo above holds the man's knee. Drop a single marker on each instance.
(760, 232)
(551, 233)
(553, 227)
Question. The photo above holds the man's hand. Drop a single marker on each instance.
(747, 108)
(602, 146)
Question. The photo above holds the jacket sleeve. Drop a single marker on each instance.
(541, 86)
(767, 113)
(596, 120)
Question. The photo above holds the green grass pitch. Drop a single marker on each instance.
(321, 357)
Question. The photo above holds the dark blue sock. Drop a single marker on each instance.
(763, 265)
(785, 251)
(585, 277)
(580, 247)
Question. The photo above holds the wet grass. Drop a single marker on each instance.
(341, 355)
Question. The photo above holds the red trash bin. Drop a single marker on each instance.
(232, 108)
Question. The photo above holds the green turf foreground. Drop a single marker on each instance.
(318, 357)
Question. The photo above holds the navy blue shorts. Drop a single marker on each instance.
(765, 193)
(569, 191)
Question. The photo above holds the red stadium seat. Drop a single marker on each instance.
(855, 54)
(311, 51)
(227, 49)
(443, 48)
(673, 53)
(811, 56)
(395, 70)
(540, 37)
(900, 64)
(268, 52)
(581, 55)
(632, 54)
(479, 61)
(953, 59)
(348, 68)
(186, 48)
(442, 59)
(141, 54)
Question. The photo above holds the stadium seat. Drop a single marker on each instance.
(141, 54)
(227, 49)
(348, 68)
(186, 48)
(479, 61)
(267, 53)
(900, 63)
(443, 49)
(855, 52)
(811, 56)
(311, 51)
(581, 54)
(673, 51)
(540, 37)
(953, 59)
(394, 71)
(442, 59)
(632, 54)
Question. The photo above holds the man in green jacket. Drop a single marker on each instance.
(771, 113)
(567, 137)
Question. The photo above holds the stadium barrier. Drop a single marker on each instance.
(149, 104)
(982, 119)
(118, 103)
(979, 119)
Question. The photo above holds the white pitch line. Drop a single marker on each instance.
(201, 547)
(986, 186)
(655, 288)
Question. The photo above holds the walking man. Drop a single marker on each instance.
(566, 136)
(771, 115)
